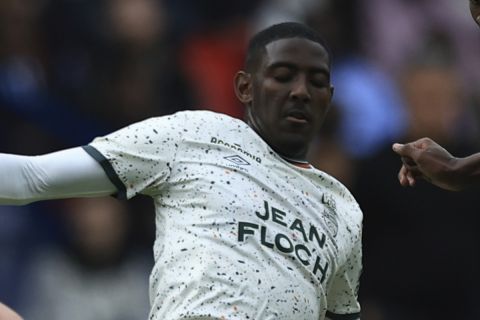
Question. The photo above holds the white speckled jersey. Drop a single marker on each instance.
(241, 233)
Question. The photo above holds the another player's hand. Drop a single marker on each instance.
(8, 314)
(425, 159)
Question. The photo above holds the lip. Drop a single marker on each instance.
(298, 115)
(296, 120)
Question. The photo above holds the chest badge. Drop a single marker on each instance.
(330, 213)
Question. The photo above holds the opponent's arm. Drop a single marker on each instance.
(8, 314)
(63, 174)
(427, 160)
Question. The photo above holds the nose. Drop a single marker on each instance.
(299, 91)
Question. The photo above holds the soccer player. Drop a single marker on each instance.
(8, 314)
(246, 227)
(426, 159)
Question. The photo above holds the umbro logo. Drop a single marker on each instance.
(237, 160)
(238, 148)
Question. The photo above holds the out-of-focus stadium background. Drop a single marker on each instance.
(71, 70)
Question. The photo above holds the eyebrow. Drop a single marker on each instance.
(289, 65)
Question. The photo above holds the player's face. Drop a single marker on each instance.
(290, 95)
(475, 10)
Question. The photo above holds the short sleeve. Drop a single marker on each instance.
(138, 158)
(342, 296)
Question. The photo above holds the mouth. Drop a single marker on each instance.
(299, 116)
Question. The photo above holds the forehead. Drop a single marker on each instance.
(298, 51)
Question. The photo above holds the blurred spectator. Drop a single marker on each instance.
(24, 75)
(275, 11)
(421, 244)
(396, 29)
(138, 76)
(329, 154)
(13, 250)
(96, 275)
(22, 81)
(371, 107)
(210, 59)
(125, 66)
(214, 51)
(197, 16)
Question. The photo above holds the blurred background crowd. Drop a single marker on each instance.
(71, 70)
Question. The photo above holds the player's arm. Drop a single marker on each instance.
(8, 314)
(425, 159)
(63, 174)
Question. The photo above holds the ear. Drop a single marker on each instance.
(243, 87)
(332, 90)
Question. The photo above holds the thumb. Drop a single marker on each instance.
(398, 148)
(405, 150)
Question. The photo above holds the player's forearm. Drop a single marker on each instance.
(468, 171)
(15, 188)
(64, 174)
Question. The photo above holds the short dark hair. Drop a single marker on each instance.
(285, 30)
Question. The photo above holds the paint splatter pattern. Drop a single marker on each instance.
(241, 233)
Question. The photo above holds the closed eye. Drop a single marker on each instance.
(320, 80)
(283, 78)
(320, 84)
(282, 74)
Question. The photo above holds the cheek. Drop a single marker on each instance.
(274, 89)
(323, 98)
(264, 90)
(271, 94)
(323, 103)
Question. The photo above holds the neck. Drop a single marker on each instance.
(298, 156)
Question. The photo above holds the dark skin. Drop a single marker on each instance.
(475, 10)
(426, 159)
(288, 95)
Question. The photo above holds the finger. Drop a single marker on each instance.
(411, 179)
(402, 176)
(406, 150)
(397, 147)
(423, 143)
(408, 162)
(413, 171)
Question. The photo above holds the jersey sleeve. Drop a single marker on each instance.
(342, 297)
(58, 175)
(138, 158)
